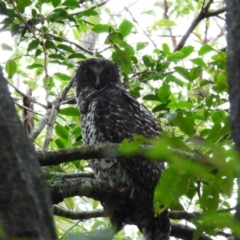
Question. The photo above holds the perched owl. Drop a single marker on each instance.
(110, 114)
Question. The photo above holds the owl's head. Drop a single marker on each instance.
(97, 73)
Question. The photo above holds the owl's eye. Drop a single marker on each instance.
(107, 72)
(87, 72)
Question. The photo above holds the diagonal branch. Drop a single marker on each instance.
(54, 112)
(204, 13)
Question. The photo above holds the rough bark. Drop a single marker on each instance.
(25, 206)
(233, 36)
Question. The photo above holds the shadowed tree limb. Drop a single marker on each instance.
(110, 150)
(62, 188)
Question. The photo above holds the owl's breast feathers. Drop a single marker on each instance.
(114, 110)
(111, 115)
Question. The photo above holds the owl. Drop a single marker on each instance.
(110, 114)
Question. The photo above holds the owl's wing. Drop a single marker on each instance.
(120, 116)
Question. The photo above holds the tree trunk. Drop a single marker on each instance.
(25, 206)
(233, 39)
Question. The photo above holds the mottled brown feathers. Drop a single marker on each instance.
(110, 114)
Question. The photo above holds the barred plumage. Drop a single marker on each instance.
(110, 114)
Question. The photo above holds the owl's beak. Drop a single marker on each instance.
(97, 83)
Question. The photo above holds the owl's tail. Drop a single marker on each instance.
(157, 228)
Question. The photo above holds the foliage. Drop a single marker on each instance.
(185, 87)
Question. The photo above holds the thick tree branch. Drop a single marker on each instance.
(184, 232)
(204, 13)
(69, 175)
(100, 191)
(58, 211)
(109, 150)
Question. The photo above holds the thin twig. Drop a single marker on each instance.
(73, 43)
(134, 19)
(93, 7)
(24, 95)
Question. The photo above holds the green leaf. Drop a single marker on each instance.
(38, 52)
(21, 4)
(34, 13)
(165, 48)
(72, 4)
(11, 68)
(77, 55)
(126, 63)
(6, 47)
(161, 107)
(49, 44)
(218, 115)
(205, 49)
(176, 56)
(125, 28)
(89, 12)
(204, 82)
(194, 73)
(199, 62)
(186, 51)
(69, 111)
(183, 72)
(35, 65)
(173, 184)
(164, 92)
(164, 23)
(180, 104)
(171, 78)
(62, 76)
(100, 28)
(148, 61)
(65, 48)
(185, 121)
(55, 3)
(56, 56)
(141, 45)
(32, 45)
(59, 143)
(151, 97)
(221, 84)
(61, 131)
(114, 38)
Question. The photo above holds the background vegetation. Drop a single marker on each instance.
(172, 55)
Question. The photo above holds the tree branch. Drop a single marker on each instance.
(59, 211)
(185, 232)
(54, 112)
(100, 191)
(204, 13)
(69, 175)
(109, 150)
